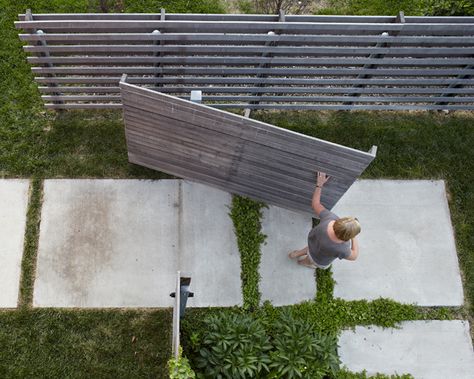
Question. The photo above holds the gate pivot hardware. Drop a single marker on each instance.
(184, 293)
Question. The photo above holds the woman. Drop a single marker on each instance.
(333, 238)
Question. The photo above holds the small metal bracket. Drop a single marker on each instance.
(184, 293)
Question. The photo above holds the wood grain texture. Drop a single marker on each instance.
(234, 153)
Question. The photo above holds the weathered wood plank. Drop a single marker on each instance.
(247, 71)
(199, 26)
(239, 38)
(80, 98)
(278, 61)
(269, 90)
(283, 99)
(369, 107)
(281, 107)
(246, 17)
(83, 106)
(83, 89)
(251, 49)
(156, 137)
(412, 82)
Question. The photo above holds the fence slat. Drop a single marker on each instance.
(239, 38)
(246, 17)
(246, 71)
(199, 26)
(234, 49)
(284, 99)
(284, 90)
(282, 107)
(268, 81)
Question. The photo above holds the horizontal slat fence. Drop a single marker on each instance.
(234, 153)
(255, 61)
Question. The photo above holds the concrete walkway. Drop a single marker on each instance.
(425, 349)
(283, 282)
(407, 249)
(13, 206)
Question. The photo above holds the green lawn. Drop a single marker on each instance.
(50, 343)
(115, 343)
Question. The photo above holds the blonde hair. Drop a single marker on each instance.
(346, 228)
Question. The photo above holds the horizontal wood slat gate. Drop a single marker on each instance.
(234, 153)
(255, 61)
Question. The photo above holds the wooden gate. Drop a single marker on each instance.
(234, 153)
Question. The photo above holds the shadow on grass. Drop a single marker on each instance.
(73, 144)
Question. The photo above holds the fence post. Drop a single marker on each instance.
(181, 295)
(159, 54)
(45, 54)
(455, 84)
(176, 309)
(281, 18)
(368, 66)
(400, 19)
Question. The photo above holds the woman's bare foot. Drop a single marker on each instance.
(298, 253)
(306, 262)
(294, 254)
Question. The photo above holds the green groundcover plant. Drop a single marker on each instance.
(180, 367)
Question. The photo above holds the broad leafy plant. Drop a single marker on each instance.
(236, 346)
(300, 352)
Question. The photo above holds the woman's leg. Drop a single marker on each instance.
(298, 253)
(306, 261)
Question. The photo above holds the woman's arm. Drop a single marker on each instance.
(316, 201)
(354, 250)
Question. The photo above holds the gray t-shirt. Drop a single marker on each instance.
(321, 248)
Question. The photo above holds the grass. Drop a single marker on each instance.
(47, 343)
(392, 7)
(376, 7)
(73, 144)
(28, 265)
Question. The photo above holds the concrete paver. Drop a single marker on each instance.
(13, 209)
(119, 243)
(107, 243)
(209, 251)
(425, 349)
(284, 282)
(407, 249)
